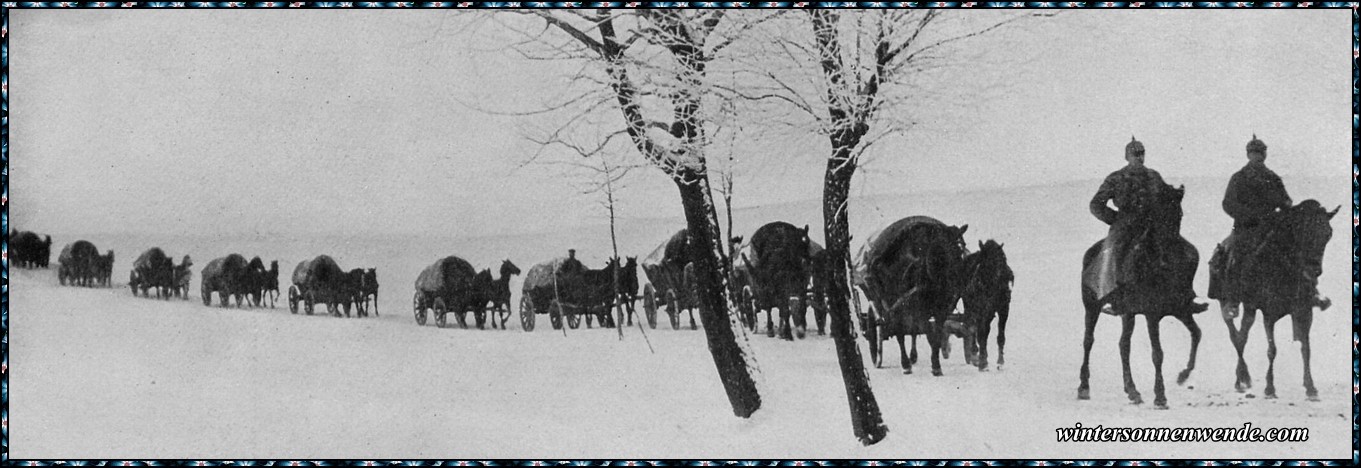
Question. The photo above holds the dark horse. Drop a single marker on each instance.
(256, 276)
(1279, 278)
(912, 277)
(778, 270)
(987, 294)
(79, 263)
(628, 286)
(500, 294)
(269, 284)
(1162, 266)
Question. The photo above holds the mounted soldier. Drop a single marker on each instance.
(1131, 189)
(1254, 196)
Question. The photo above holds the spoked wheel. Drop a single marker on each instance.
(440, 312)
(309, 301)
(293, 298)
(573, 320)
(872, 334)
(674, 310)
(527, 313)
(417, 308)
(555, 314)
(650, 305)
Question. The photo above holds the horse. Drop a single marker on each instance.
(987, 294)
(1162, 265)
(103, 269)
(269, 284)
(255, 280)
(817, 284)
(184, 275)
(628, 286)
(912, 276)
(778, 267)
(1279, 277)
(500, 293)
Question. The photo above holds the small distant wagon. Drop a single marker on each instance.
(320, 281)
(451, 285)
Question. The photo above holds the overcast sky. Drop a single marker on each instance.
(357, 121)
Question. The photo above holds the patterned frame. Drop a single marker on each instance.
(5, 228)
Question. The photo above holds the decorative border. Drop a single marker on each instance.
(5, 228)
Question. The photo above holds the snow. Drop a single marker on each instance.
(97, 373)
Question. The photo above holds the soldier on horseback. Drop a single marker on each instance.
(1131, 189)
(1254, 196)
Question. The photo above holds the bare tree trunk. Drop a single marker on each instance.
(706, 250)
(866, 420)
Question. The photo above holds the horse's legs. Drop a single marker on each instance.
(1243, 379)
(981, 338)
(1083, 389)
(1155, 342)
(1303, 320)
(1270, 325)
(902, 355)
(770, 325)
(914, 349)
(1126, 330)
(1191, 326)
(935, 336)
(1002, 336)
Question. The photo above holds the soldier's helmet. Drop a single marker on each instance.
(1134, 147)
(1256, 146)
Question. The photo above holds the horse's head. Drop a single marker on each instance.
(1305, 229)
(187, 262)
(1163, 213)
(273, 267)
(508, 268)
(371, 277)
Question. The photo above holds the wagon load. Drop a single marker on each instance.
(226, 276)
(78, 264)
(451, 285)
(152, 269)
(320, 281)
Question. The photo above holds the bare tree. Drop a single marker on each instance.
(653, 67)
(860, 77)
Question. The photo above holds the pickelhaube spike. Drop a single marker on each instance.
(1256, 146)
(1134, 146)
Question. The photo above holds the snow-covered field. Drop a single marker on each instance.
(97, 373)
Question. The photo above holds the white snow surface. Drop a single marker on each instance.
(97, 373)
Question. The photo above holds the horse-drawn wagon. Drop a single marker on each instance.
(772, 271)
(152, 269)
(451, 285)
(911, 274)
(320, 281)
(671, 281)
(563, 288)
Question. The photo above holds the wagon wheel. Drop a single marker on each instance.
(309, 300)
(207, 296)
(573, 317)
(293, 298)
(555, 314)
(650, 305)
(526, 313)
(440, 312)
(674, 309)
(418, 308)
(872, 334)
